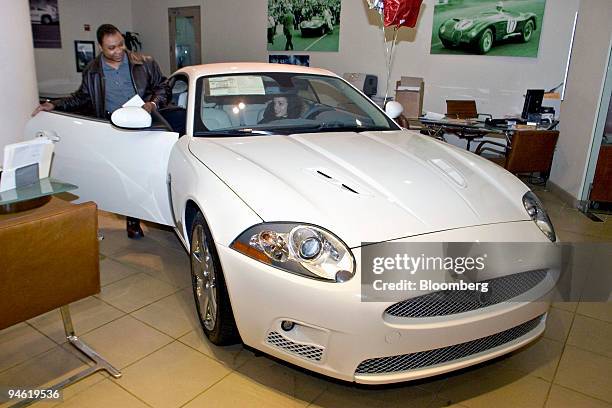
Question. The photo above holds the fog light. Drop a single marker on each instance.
(343, 276)
(287, 325)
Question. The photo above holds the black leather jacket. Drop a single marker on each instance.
(147, 78)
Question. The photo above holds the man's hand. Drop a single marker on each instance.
(149, 106)
(47, 106)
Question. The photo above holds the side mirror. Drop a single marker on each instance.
(394, 109)
(131, 117)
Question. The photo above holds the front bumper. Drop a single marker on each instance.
(335, 332)
(458, 38)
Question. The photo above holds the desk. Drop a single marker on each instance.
(470, 129)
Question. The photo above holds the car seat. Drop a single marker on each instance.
(214, 118)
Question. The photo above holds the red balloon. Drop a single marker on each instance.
(402, 12)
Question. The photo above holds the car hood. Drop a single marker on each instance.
(364, 187)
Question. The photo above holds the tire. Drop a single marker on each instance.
(485, 42)
(527, 32)
(209, 289)
(447, 44)
(45, 19)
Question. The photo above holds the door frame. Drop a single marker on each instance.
(191, 11)
(597, 136)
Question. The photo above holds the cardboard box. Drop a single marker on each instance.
(409, 92)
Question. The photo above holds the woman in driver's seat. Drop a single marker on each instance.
(282, 107)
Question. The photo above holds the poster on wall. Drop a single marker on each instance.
(44, 17)
(303, 25)
(84, 53)
(303, 60)
(509, 28)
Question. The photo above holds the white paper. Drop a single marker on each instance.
(408, 88)
(434, 116)
(135, 101)
(236, 85)
(18, 155)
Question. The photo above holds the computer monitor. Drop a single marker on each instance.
(533, 102)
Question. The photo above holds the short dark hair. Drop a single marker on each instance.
(104, 30)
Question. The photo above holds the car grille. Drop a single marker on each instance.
(301, 350)
(448, 302)
(434, 357)
(456, 37)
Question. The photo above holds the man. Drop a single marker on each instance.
(110, 80)
(288, 20)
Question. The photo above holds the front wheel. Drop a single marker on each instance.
(209, 290)
(486, 41)
(527, 31)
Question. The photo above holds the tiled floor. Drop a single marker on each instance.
(144, 323)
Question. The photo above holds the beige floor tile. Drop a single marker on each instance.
(231, 356)
(348, 395)
(135, 292)
(125, 340)
(169, 265)
(558, 324)
(47, 368)
(105, 394)
(19, 343)
(567, 306)
(87, 314)
(596, 310)
(110, 220)
(575, 235)
(112, 271)
(283, 379)
(561, 397)
(539, 358)
(70, 391)
(174, 315)
(241, 391)
(585, 372)
(164, 235)
(172, 376)
(592, 335)
(495, 387)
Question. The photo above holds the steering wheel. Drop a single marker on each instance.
(315, 110)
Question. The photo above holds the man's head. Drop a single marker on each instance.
(500, 6)
(111, 42)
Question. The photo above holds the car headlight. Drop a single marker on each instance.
(302, 249)
(473, 33)
(443, 29)
(538, 214)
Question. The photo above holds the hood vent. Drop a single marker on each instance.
(321, 173)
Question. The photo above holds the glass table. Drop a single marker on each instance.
(33, 195)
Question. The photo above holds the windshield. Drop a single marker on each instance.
(282, 103)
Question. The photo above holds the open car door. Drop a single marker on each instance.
(123, 171)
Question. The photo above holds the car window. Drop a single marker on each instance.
(273, 103)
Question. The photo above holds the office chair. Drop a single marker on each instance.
(528, 151)
(463, 109)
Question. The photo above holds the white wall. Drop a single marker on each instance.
(17, 76)
(235, 30)
(56, 67)
(584, 85)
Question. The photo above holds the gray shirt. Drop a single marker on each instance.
(118, 84)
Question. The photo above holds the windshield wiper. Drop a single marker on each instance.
(233, 132)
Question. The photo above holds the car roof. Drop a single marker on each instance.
(196, 71)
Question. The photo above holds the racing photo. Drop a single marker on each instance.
(303, 25)
(488, 27)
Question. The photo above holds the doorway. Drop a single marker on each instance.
(598, 181)
(185, 36)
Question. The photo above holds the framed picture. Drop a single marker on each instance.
(44, 17)
(303, 60)
(84, 53)
(488, 27)
(298, 25)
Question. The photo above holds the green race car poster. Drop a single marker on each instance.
(488, 27)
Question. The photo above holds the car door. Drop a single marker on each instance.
(123, 171)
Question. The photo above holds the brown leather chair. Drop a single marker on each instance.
(463, 109)
(528, 151)
(49, 258)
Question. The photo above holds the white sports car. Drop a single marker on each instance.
(274, 177)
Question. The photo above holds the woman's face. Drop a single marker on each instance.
(280, 106)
